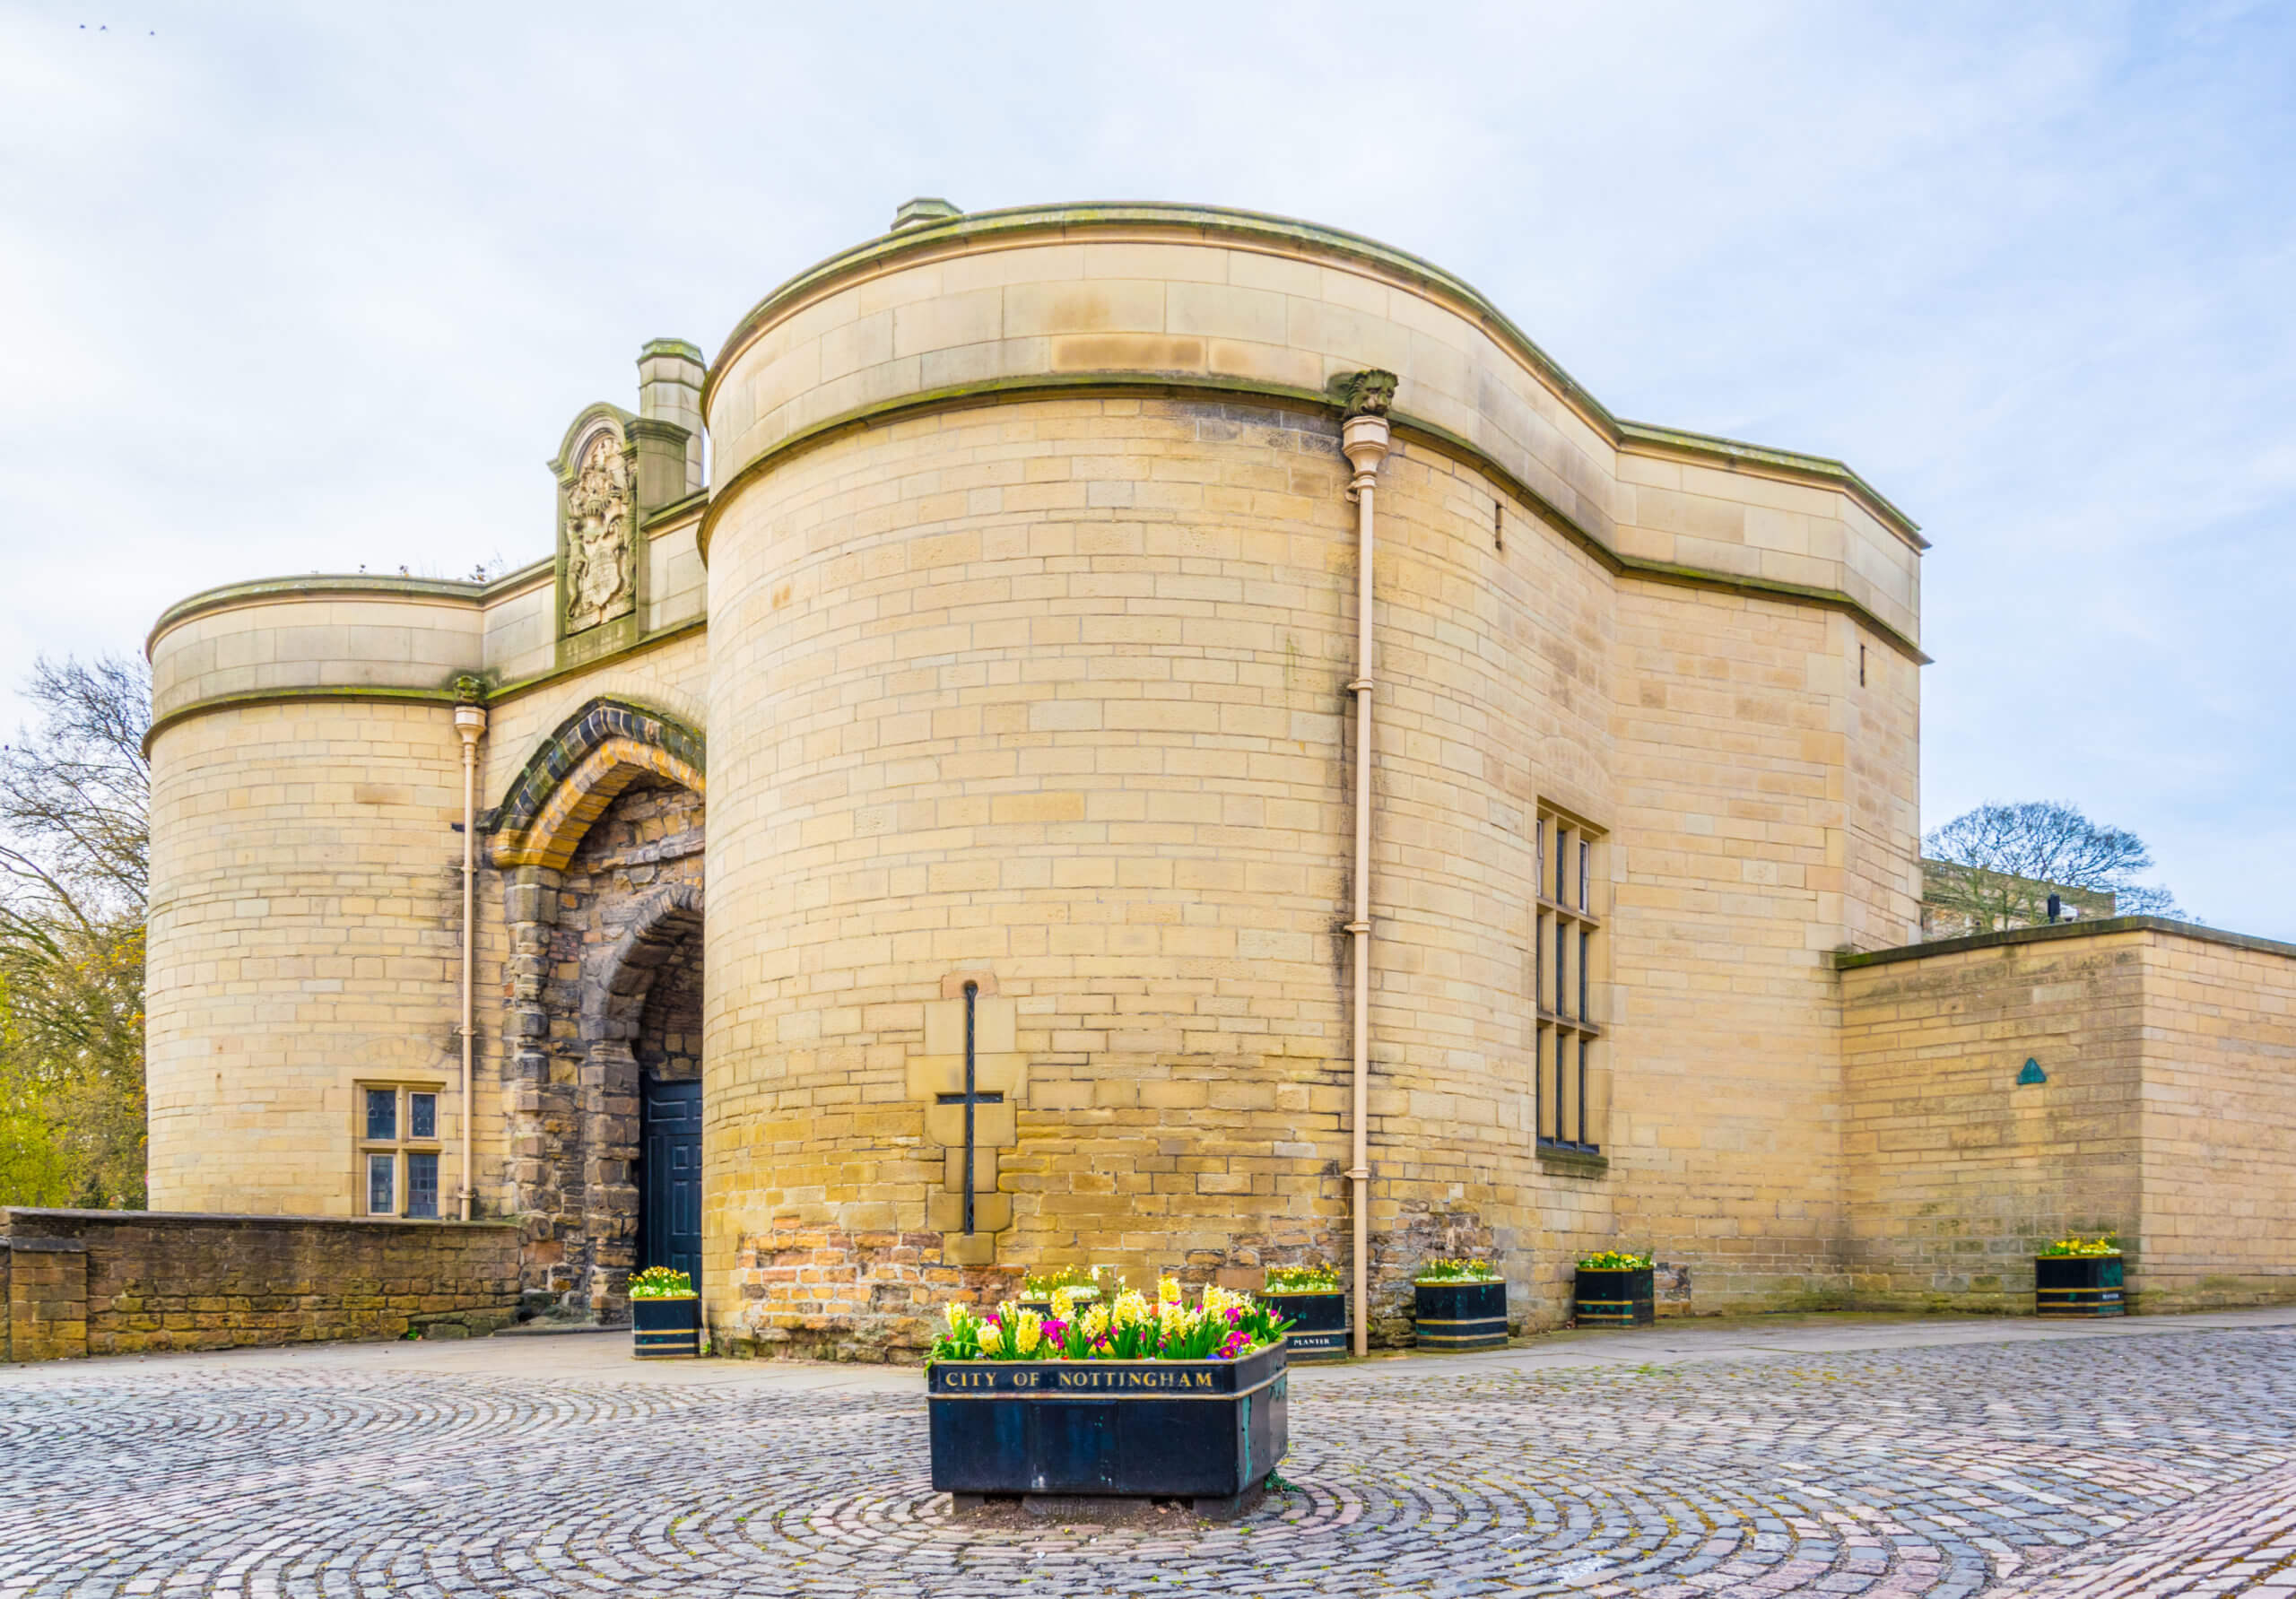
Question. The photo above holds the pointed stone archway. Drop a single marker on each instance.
(641, 1084)
(600, 841)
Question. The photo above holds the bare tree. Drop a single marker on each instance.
(77, 793)
(74, 852)
(2013, 855)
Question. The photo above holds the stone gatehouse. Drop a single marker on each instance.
(948, 841)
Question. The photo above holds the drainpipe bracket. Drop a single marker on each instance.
(1360, 1174)
(1359, 928)
(1362, 686)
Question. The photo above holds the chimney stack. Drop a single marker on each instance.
(669, 390)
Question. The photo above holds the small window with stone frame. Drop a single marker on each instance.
(1569, 1077)
(399, 1142)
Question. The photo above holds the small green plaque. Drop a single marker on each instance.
(2032, 1074)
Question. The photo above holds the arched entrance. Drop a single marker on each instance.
(647, 1031)
(600, 840)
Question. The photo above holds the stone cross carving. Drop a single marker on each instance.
(598, 587)
(972, 1097)
(970, 1076)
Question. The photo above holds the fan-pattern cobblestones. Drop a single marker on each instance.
(2160, 1465)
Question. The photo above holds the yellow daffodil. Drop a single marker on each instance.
(1064, 1304)
(1028, 1333)
(1168, 1290)
(1096, 1323)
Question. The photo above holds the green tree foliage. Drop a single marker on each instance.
(2014, 855)
(74, 796)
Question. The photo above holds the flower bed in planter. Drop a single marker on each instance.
(1459, 1304)
(665, 1315)
(2079, 1277)
(1084, 1287)
(1311, 1300)
(1614, 1289)
(1140, 1401)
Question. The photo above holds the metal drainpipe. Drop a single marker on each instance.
(1364, 438)
(469, 722)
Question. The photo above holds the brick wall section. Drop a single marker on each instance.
(47, 1287)
(142, 1280)
(842, 1296)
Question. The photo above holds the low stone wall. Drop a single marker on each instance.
(2130, 1076)
(102, 1282)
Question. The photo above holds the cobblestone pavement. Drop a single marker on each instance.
(2158, 1464)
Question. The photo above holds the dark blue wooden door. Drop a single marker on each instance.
(669, 1210)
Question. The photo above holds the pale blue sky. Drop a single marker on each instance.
(297, 288)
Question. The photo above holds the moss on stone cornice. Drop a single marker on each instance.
(360, 586)
(1013, 390)
(248, 698)
(1214, 222)
(348, 585)
(318, 585)
(2054, 932)
(450, 696)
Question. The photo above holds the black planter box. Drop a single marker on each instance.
(1626, 1298)
(1319, 1330)
(1461, 1315)
(2077, 1285)
(1042, 1303)
(1206, 1431)
(665, 1329)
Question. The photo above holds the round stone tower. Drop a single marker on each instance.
(1032, 596)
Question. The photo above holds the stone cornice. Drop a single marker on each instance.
(363, 585)
(318, 585)
(676, 515)
(1010, 390)
(2105, 927)
(445, 697)
(1023, 225)
(246, 700)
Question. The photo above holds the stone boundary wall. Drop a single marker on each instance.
(106, 1282)
(2164, 1111)
(1956, 1170)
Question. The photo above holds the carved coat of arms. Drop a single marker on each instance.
(598, 587)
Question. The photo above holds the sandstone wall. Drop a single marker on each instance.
(968, 722)
(1039, 684)
(2218, 1216)
(1956, 1171)
(2167, 1114)
(1739, 721)
(305, 917)
(102, 1282)
(306, 932)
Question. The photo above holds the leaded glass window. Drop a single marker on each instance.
(1569, 1077)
